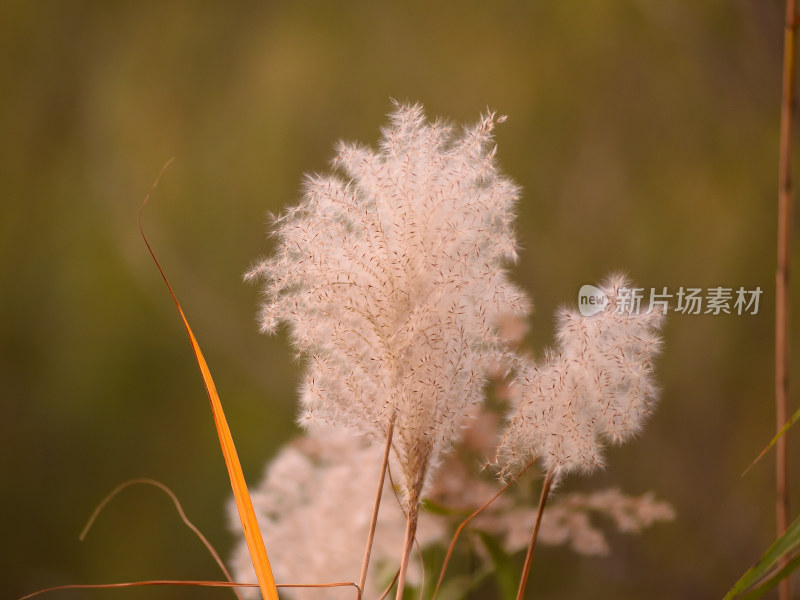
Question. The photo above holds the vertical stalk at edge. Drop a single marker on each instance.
(782, 279)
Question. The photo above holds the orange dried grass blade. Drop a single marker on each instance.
(252, 533)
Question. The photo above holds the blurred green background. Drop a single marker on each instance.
(644, 136)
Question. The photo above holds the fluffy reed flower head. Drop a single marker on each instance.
(597, 386)
(391, 278)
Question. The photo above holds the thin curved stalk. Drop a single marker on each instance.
(174, 582)
(466, 521)
(181, 514)
(548, 482)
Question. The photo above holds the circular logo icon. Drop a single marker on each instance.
(591, 300)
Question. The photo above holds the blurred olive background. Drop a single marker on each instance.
(643, 133)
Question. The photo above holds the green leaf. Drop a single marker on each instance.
(455, 588)
(460, 586)
(772, 580)
(786, 545)
(505, 569)
(778, 435)
(440, 509)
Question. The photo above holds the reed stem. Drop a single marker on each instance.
(782, 281)
(378, 495)
(548, 482)
(408, 544)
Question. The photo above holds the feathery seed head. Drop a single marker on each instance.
(597, 386)
(391, 277)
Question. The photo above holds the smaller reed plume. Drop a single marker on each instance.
(597, 386)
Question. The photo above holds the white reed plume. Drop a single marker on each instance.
(392, 281)
(598, 386)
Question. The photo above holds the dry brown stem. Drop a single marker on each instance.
(548, 482)
(411, 531)
(782, 280)
(381, 479)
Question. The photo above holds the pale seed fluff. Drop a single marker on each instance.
(314, 507)
(596, 386)
(391, 277)
(568, 520)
